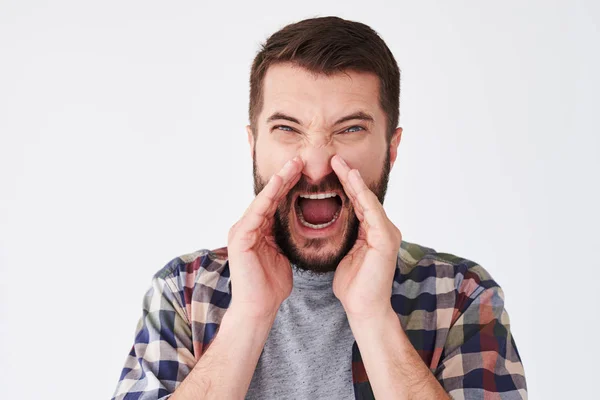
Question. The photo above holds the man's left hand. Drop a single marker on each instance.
(363, 279)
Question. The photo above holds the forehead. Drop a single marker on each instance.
(293, 89)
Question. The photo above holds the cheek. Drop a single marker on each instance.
(368, 161)
(271, 157)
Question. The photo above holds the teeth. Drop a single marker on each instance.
(319, 226)
(318, 196)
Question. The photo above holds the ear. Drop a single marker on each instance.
(250, 139)
(394, 142)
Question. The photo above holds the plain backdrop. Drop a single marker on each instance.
(122, 146)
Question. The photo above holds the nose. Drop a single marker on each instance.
(317, 160)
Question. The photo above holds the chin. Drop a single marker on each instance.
(318, 250)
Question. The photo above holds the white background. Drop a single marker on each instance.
(122, 146)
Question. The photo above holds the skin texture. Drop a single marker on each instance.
(317, 102)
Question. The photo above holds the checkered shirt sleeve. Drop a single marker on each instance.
(480, 359)
(162, 353)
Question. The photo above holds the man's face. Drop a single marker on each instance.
(315, 117)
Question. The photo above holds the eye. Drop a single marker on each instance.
(284, 128)
(355, 128)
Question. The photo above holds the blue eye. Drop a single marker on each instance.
(352, 127)
(283, 126)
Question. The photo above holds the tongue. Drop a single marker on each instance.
(318, 211)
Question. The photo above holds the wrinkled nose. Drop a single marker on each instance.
(317, 160)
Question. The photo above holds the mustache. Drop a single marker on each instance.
(329, 183)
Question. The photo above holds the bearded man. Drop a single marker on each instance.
(316, 295)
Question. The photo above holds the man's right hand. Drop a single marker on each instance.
(261, 276)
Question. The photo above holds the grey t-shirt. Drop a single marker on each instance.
(308, 354)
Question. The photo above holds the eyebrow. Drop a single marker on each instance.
(359, 115)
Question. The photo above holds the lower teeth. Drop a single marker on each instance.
(318, 226)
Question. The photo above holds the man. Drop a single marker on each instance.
(316, 294)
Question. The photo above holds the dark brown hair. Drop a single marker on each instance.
(329, 45)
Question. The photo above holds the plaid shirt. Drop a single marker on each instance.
(450, 308)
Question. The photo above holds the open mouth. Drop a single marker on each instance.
(319, 210)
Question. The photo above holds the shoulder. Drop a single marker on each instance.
(189, 266)
(202, 270)
(423, 270)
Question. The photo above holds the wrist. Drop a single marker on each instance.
(227, 363)
(376, 322)
(238, 316)
(371, 314)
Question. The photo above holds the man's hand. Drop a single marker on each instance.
(261, 276)
(363, 284)
(363, 279)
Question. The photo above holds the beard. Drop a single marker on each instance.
(320, 261)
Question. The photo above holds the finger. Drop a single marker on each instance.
(260, 212)
(274, 189)
(284, 191)
(249, 224)
(342, 170)
(372, 210)
(263, 200)
(290, 174)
